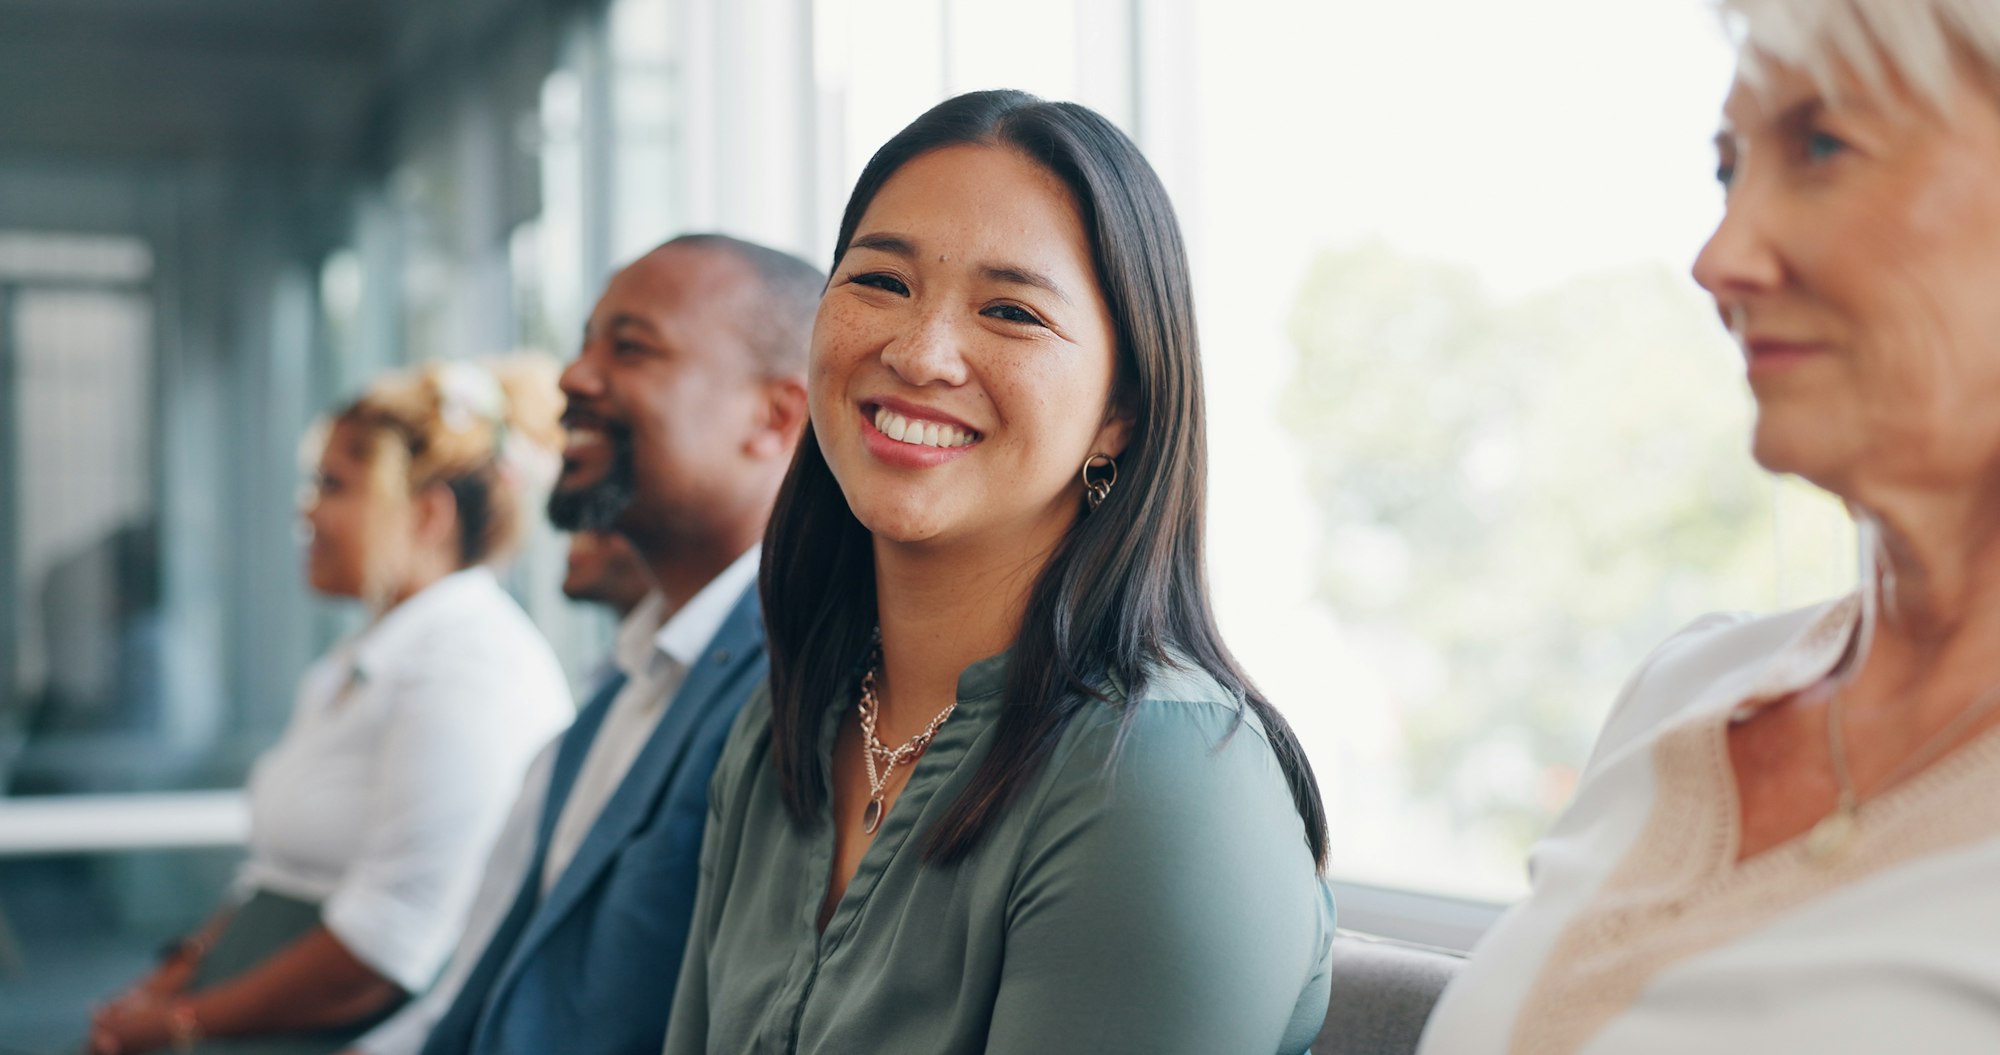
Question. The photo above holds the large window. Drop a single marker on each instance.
(86, 641)
(1477, 441)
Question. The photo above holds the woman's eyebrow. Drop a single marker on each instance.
(1800, 115)
(1022, 276)
(1013, 274)
(1792, 116)
(893, 244)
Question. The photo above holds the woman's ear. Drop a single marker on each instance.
(1116, 432)
(434, 519)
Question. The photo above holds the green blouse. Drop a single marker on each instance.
(1166, 903)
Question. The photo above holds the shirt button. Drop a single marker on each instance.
(722, 655)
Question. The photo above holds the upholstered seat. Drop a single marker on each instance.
(1382, 993)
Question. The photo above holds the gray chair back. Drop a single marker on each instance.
(1382, 994)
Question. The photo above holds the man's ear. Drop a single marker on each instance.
(782, 412)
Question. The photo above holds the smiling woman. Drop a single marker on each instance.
(968, 331)
(1027, 800)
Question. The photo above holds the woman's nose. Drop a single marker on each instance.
(931, 351)
(307, 524)
(1740, 259)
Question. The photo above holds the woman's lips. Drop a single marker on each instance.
(907, 455)
(1765, 355)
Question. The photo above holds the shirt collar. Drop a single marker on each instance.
(632, 649)
(979, 685)
(1812, 654)
(684, 635)
(984, 678)
(376, 644)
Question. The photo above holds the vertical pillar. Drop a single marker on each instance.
(10, 593)
(748, 103)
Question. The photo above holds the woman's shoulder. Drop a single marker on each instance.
(1179, 766)
(1179, 690)
(473, 618)
(1180, 715)
(482, 609)
(466, 651)
(1721, 646)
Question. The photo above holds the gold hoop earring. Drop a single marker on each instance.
(1097, 490)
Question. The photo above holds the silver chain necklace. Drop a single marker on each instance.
(881, 759)
(1834, 832)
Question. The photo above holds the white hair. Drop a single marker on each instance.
(1878, 41)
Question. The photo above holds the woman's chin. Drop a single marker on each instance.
(1795, 448)
(1776, 453)
(902, 532)
(903, 522)
(328, 583)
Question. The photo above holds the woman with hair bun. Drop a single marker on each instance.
(370, 816)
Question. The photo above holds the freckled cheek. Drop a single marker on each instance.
(843, 338)
(1078, 395)
(827, 375)
(1048, 414)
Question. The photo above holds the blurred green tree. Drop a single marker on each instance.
(1520, 500)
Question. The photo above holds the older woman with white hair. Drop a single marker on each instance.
(1788, 835)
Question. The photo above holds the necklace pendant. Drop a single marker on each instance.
(1831, 836)
(871, 818)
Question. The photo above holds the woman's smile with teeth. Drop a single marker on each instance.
(921, 433)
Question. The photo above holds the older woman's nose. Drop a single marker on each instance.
(1740, 258)
(930, 352)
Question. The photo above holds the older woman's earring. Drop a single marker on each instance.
(1096, 490)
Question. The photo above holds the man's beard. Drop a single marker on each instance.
(598, 506)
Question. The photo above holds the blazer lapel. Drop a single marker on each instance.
(734, 646)
(569, 763)
(457, 1029)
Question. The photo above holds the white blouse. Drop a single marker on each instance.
(408, 741)
(1645, 936)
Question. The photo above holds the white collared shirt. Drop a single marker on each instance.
(654, 663)
(383, 794)
(514, 849)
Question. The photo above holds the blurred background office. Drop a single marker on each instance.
(1477, 442)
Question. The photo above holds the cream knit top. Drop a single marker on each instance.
(1644, 934)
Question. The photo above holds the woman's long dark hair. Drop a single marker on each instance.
(1123, 590)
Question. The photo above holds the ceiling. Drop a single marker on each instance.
(287, 80)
